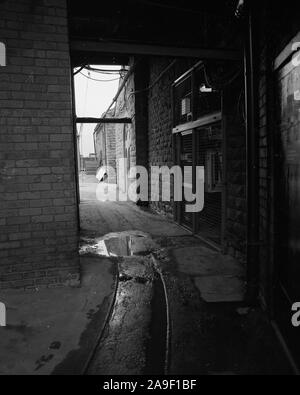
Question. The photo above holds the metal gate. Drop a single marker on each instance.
(210, 155)
(187, 161)
(203, 147)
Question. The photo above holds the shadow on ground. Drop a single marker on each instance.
(55, 330)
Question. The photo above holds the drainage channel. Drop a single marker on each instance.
(136, 336)
(157, 350)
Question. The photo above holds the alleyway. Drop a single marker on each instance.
(179, 304)
(101, 218)
(153, 300)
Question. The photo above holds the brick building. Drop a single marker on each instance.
(39, 224)
(276, 122)
(216, 131)
(245, 57)
(105, 145)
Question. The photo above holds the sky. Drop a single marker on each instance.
(92, 99)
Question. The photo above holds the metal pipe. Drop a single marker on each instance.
(122, 86)
(103, 120)
(252, 130)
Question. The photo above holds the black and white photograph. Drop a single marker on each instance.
(149, 191)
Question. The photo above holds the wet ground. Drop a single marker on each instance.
(153, 300)
(179, 305)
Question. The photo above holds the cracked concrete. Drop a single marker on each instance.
(55, 330)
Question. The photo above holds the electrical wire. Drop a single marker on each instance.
(104, 71)
(219, 85)
(156, 81)
(97, 80)
(79, 70)
(98, 71)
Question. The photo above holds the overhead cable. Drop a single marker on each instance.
(97, 80)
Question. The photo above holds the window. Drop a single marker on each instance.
(193, 97)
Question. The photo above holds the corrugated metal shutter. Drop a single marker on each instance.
(209, 149)
(187, 160)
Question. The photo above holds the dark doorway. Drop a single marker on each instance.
(288, 201)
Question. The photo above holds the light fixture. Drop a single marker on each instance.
(205, 89)
(239, 12)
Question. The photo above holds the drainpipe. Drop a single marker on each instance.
(122, 86)
(252, 130)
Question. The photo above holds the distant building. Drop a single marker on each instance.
(89, 165)
(105, 145)
(115, 142)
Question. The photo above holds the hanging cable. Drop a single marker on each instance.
(97, 80)
(104, 71)
(79, 70)
(156, 81)
(219, 85)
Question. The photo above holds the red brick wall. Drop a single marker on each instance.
(38, 214)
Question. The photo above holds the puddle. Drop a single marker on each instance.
(122, 244)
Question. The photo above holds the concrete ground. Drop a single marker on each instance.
(203, 327)
(54, 331)
(154, 300)
(219, 278)
(213, 331)
(101, 218)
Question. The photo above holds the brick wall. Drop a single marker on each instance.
(277, 26)
(38, 214)
(264, 174)
(126, 133)
(132, 139)
(236, 177)
(160, 123)
(105, 145)
(161, 147)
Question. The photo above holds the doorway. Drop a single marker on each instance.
(287, 167)
(199, 141)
